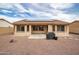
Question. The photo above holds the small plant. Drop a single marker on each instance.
(12, 40)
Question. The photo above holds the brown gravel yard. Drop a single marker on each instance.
(23, 46)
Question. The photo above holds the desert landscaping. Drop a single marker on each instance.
(24, 46)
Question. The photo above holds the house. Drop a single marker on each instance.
(28, 28)
(5, 27)
(74, 27)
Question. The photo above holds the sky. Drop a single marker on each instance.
(39, 11)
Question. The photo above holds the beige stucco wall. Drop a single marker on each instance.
(74, 27)
(5, 27)
(6, 30)
(5, 24)
(20, 34)
(61, 34)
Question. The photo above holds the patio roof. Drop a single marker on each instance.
(58, 22)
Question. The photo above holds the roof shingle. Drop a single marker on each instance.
(40, 22)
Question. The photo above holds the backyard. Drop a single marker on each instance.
(24, 46)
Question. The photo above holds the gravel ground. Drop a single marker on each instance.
(23, 46)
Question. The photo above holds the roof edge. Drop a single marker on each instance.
(5, 20)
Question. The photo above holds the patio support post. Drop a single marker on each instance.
(25, 28)
(52, 28)
(55, 28)
(30, 29)
(49, 28)
(67, 30)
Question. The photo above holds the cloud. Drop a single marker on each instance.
(15, 6)
(10, 19)
(38, 11)
(13, 10)
(6, 11)
(54, 13)
(65, 17)
(20, 8)
(6, 5)
(61, 5)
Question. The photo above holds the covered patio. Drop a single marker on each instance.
(39, 29)
(27, 28)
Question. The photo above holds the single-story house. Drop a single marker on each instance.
(5, 27)
(27, 28)
(74, 27)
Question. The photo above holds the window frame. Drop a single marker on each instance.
(60, 28)
(20, 28)
(38, 28)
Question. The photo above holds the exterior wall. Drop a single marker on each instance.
(6, 30)
(74, 27)
(20, 34)
(5, 27)
(5, 24)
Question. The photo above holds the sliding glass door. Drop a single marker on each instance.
(39, 29)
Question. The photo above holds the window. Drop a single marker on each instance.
(45, 27)
(27, 27)
(39, 28)
(53, 27)
(60, 27)
(20, 28)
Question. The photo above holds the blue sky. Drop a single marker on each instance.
(39, 11)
